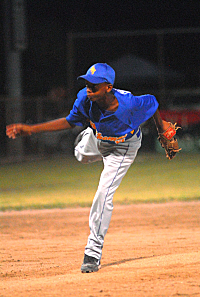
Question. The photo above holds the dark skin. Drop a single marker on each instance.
(99, 93)
(102, 95)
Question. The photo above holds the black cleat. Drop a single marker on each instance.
(90, 264)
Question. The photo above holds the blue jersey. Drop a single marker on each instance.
(115, 126)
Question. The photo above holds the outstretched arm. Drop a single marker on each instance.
(14, 130)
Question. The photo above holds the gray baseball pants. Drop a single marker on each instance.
(117, 159)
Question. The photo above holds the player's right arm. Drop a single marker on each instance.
(14, 130)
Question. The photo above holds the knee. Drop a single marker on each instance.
(87, 159)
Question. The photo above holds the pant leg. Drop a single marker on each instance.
(116, 165)
(86, 150)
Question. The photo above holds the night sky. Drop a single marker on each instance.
(76, 15)
(44, 60)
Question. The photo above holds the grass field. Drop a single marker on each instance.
(64, 182)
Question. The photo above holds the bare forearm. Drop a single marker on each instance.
(161, 124)
(55, 125)
(15, 130)
(158, 121)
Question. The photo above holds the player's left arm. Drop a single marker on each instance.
(160, 124)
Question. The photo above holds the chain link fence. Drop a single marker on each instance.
(165, 63)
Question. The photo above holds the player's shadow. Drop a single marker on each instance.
(124, 261)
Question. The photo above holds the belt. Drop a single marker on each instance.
(137, 133)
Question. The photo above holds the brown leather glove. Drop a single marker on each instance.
(169, 142)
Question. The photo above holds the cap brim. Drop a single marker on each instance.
(92, 79)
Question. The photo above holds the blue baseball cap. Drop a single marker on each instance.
(99, 73)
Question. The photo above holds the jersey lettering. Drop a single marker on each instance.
(109, 138)
(92, 125)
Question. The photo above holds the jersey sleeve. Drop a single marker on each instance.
(79, 113)
(144, 107)
(135, 110)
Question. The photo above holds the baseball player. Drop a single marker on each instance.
(112, 118)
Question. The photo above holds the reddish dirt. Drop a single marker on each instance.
(149, 250)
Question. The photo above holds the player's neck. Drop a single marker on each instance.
(109, 102)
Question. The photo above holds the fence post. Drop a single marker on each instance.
(14, 102)
(40, 118)
(15, 43)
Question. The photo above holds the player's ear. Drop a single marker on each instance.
(109, 87)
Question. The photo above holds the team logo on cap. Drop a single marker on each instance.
(92, 70)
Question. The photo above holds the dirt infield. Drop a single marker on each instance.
(149, 250)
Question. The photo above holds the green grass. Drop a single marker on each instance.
(64, 182)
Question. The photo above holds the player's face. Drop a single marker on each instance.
(97, 91)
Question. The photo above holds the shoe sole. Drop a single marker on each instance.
(87, 268)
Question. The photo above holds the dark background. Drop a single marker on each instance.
(44, 61)
(48, 22)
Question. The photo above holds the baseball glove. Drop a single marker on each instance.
(168, 141)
